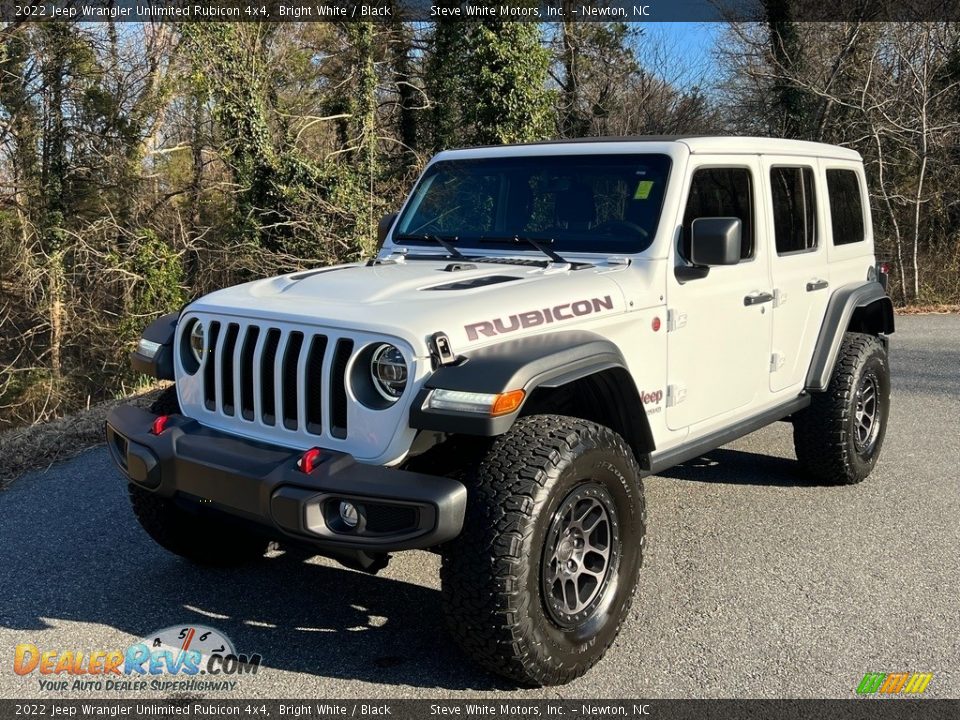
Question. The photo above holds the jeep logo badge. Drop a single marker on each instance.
(533, 318)
(651, 397)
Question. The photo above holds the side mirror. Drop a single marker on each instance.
(386, 222)
(715, 241)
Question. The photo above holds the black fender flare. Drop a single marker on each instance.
(862, 307)
(541, 361)
(161, 331)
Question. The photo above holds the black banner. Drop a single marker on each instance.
(476, 10)
(863, 709)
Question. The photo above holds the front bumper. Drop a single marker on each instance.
(400, 510)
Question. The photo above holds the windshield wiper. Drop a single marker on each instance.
(537, 243)
(446, 244)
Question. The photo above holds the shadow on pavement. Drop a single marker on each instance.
(739, 467)
(71, 551)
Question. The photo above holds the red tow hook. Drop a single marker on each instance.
(160, 424)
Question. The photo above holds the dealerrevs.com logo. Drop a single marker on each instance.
(189, 658)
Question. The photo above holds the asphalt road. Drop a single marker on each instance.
(756, 584)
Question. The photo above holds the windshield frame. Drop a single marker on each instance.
(498, 241)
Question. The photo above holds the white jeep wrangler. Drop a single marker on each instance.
(544, 325)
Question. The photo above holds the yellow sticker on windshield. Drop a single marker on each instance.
(643, 190)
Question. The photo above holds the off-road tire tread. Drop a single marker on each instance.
(491, 626)
(820, 432)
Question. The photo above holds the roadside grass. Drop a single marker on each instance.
(33, 447)
(933, 309)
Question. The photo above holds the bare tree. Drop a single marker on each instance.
(888, 90)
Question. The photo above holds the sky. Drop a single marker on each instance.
(688, 47)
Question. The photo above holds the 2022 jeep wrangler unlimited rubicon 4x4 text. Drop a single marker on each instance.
(543, 325)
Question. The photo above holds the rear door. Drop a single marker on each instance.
(718, 344)
(796, 218)
(850, 250)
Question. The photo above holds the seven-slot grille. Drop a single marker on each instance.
(277, 377)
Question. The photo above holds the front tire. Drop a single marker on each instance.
(202, 539)
(542, 577)
(839, 436)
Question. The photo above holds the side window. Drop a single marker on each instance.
(846, 206)
(794, 209)
(720, 192)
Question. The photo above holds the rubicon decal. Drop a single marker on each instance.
(534, 318)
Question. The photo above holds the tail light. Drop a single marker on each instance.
(882, 272)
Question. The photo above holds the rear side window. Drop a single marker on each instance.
(846, 206)
(794, 209)
(720, 192)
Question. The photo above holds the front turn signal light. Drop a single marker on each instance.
(507, 402)
(491, 404)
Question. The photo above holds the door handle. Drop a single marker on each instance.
(817, 284)
(756, 298)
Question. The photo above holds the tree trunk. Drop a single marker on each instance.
(55, 293)
(897, 237)
(916, 219)
(785, 47)
(570, 122)
(405, 89)
(364, 109)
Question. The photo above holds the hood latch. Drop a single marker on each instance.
(441, 351)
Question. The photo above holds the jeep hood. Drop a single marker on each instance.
(417, 298)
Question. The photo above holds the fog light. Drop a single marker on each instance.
(349, 515)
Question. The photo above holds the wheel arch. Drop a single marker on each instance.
(607, 396)
(573, 373)
(857, 307)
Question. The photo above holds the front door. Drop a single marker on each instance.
(719, 324)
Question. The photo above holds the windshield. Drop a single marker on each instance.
(573, 203)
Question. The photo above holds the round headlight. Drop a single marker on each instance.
(389, 371)
(196, 341)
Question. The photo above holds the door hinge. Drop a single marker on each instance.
(676, 394)
(675, 320)
(776, 361)
(779, 297)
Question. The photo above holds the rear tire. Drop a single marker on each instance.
(542, 577)
(200, 538)
(839, 436)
